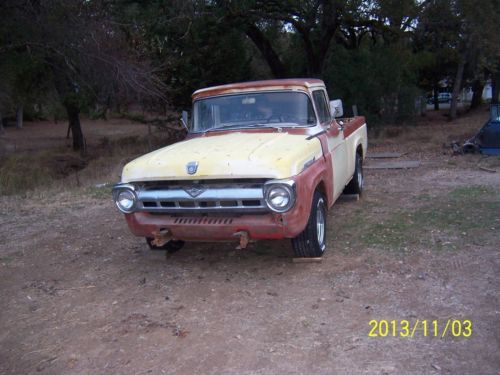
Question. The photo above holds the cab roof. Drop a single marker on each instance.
(272, 84)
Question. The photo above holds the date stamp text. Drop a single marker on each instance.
(424, 328)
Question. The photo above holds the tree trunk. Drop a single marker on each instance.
(70, 100)
(495, 93)
(456, 88)
(329, 24)
(2, 130)
(19, 117)
(477, 94)
(267, 51)
(435, 93)
(313, 63)
(76, 128)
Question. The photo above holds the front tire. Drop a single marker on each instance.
(355, 186)
(312, 241)
(171, 246)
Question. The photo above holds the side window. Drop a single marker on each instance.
(321, 106)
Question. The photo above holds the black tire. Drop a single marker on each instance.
(355, 186)
(312, 241)
(171, 246)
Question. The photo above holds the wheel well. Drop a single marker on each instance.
(359, 150)
(322, 189)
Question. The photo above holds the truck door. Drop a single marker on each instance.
(336, 142)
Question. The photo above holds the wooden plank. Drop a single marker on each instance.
(349, 197)
(384, 155)
(307, 260)
(404, 164)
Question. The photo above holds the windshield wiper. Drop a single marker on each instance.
(227, 127)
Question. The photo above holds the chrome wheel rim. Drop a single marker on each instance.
(320, 222)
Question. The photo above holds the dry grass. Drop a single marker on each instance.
(430, 133)
(57, 170)
(23, 172)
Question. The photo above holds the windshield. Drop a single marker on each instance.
(264, 109)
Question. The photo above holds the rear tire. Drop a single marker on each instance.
(312, 241)
(171, 246)
(355, 186)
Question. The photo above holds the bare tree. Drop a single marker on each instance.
(85, 50)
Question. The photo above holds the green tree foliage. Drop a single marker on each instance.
(436, 36)
(378, 54)
(461, 40)
(211, 42)
(379, 79)
(24, 81)
(480, 44)
(192, 41)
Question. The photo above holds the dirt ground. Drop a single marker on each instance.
(80, 295)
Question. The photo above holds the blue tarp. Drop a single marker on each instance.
(488, 137)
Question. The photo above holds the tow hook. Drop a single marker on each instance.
(243, 240)
(161, 237)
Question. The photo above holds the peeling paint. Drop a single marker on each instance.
(245, 155)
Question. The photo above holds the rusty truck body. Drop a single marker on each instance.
(262, 160)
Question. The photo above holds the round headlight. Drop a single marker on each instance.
(125, 201)
(279, 198)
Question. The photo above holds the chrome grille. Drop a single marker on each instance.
(201, 198)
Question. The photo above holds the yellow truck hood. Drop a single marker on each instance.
(230, 155)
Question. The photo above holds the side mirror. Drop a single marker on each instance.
(185, 120)
(336, 108)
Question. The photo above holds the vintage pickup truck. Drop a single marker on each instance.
(262, 160)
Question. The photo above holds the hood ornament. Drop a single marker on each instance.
(194, 191)
(192, 167)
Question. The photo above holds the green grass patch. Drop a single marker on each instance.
(12, 257)
(471, 193)
(447, 221)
